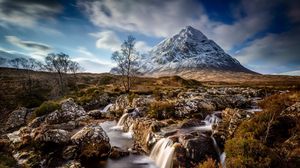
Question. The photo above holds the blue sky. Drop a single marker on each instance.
(262, 34)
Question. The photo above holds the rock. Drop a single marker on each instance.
(72, 164)
(189, 107)
(231, 119)
(192, 123)
(98, 101)
(70, 152)
(143, 134)
(92, 141)
(121, 104)
(57, 136)
(16, 119)
(96, 114)
(117, 153)
(198, 148)
(37, 122)
(142, 103)
(69, 111)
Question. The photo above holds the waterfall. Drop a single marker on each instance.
(129, 133)
(222, 159)
(121, 122)
(104, 110)
(212, 119)
(162, 153)
(221, 155)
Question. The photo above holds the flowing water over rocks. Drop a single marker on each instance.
(196, 128)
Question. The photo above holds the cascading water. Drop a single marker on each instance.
(209, 121)
(104, 110)
(221, 155)
(162, 153)
(121, 122)
(212, 118)
(129, 134)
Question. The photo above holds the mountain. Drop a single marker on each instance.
(189, 50)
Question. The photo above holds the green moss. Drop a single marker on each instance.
(46, 108)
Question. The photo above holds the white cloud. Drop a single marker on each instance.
(27, 14)
(90, 62)
(36, 50)
(110, 41)
(28, 45)
(277, 52)
(165, 18)
(107, 40)
(142, 47)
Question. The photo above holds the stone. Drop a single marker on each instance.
(69, 111)
(16, 119)
(96, 114)
(117, 153)
(70, 152)
(57, 136)
(93, 142)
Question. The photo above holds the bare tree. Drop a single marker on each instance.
(126, 60)
(29, 65)
(58, 63)
(74, 67)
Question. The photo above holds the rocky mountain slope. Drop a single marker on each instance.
(187, 50)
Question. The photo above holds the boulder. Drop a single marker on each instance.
(193, 107)
(121, 104)
(70, 152)
(57, 136)
(69, 111)
(96, 114)
(192, 123)
(16, 119)
(117, 153)
(198, 148)
(92, 142)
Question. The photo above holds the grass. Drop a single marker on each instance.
(254, 145)
(46, 108)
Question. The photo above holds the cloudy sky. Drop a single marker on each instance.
(264, 35)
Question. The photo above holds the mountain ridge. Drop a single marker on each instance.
(186, 50)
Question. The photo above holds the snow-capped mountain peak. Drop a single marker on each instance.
(189, 49)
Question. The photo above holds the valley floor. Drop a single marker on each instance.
(163, 122)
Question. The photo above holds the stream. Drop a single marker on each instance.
(162, 152)
(123, 140)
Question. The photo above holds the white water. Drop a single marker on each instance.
(162, 153)
(130, 133)
(212, 118)
(121, 122)
(117, 139)
(209, 121)
(222, 159)
(104, 110)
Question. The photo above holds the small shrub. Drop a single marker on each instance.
(209, 163)
(161, 110)
(46, 108)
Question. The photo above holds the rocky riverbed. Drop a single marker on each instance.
(178, 129)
